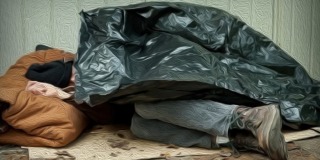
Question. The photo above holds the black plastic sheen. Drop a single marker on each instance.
(166, 51)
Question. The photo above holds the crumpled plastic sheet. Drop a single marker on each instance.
(164, 51)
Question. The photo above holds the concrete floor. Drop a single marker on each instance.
(310, 145)
(308, 149)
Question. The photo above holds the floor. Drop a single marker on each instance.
(307, 149)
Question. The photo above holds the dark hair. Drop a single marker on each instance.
(57, 73)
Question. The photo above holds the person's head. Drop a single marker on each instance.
(59, 73)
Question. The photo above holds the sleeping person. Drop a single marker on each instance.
(54, 79)
(202, 123)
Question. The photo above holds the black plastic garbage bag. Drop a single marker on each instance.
(165, 51)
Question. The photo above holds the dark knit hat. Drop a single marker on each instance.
(57, 73)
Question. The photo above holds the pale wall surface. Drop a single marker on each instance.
(293, 24)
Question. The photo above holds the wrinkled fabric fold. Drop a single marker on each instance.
(36, 120)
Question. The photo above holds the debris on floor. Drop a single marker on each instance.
(113, 155)
(125, 134)
(100, 142)
(13, 152)
(167, 155)
(123, 144)
(311, 145)
(172, 146)
(9, 152)
(225, 153)
(64, 153)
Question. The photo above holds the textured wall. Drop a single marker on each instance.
(293, 24)
(299, 32)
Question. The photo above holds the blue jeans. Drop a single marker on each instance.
(184, 123)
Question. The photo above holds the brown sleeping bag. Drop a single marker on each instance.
(37, 120)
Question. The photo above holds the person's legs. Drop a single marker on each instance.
(163, 132)
(214, 118)
(203, 115)
(158, 131)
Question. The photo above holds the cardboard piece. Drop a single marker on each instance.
(317, 129)
(299, 135)
(97, 143)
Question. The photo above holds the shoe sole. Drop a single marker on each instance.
(275, 145)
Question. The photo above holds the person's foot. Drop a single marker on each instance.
(265, 124)
(242, 139)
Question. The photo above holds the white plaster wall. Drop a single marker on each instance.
(293, 24)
